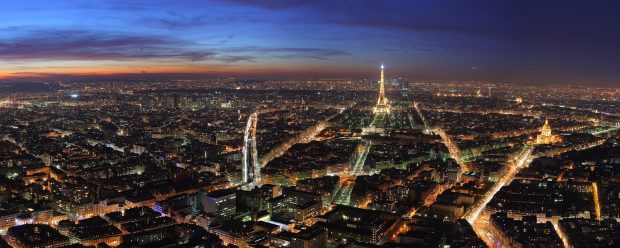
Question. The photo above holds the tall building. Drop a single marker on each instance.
(383, 106)
(545, 136)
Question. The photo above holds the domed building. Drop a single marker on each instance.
(545, 136)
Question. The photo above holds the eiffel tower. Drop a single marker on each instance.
(382, 103)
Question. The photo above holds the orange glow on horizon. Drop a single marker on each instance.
(86, 70)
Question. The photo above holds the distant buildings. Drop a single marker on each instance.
(163, 164)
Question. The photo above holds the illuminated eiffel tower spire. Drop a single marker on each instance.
(382, 103)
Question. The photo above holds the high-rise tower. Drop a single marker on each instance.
(382, 103)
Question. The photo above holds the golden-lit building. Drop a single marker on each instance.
(383, 106)
(545, 136)
(479, 93)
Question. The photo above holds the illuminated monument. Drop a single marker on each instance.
(382, 103)
(545, 136)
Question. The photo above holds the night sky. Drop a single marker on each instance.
(567, 42)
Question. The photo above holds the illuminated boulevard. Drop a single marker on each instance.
(479, 222)
(343, 195)
(304, 137)
(250, 167)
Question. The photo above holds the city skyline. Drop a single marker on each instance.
(555, 42)
(309, 163)
(316, 124)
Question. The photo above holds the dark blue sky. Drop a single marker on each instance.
(533, 41)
